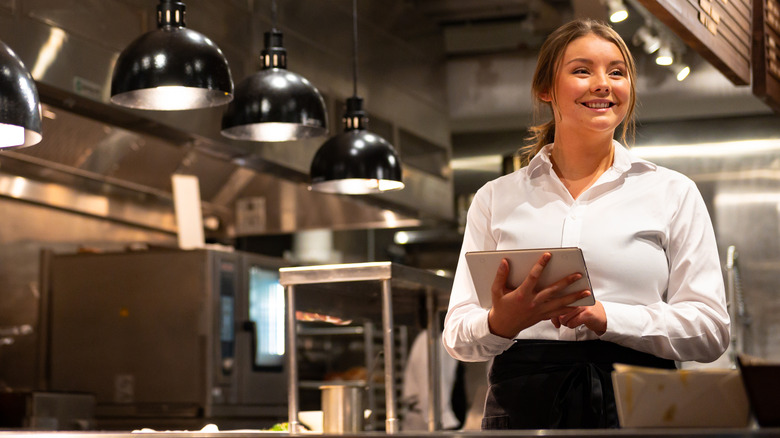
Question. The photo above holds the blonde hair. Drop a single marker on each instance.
(547, 66)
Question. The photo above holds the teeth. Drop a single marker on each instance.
(598, 105)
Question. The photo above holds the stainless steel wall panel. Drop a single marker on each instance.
(419, 185)
(155, 215)
(152, 163)
(69, 139)
(109, 23)
(291, 207)
(67, 61)
(107, 150)
(212, 172)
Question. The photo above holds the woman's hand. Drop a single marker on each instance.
(593, 317)
(518, 309)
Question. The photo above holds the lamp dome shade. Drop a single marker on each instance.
(356, 162)
(20, 109)
(275, 104)
(171, 68)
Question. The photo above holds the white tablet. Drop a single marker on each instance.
(564, 261)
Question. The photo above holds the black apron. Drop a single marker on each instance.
(558, 384)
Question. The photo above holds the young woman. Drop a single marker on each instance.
(646, 237)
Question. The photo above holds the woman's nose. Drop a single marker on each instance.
(600, 84)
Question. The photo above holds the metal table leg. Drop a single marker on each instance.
(391, 422)
(434, 377)
(292, 361)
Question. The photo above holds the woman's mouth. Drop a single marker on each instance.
(598, 105)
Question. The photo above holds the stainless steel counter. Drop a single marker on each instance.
(595, 433)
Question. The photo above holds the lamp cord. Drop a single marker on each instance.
(273, 15)
(354, 48)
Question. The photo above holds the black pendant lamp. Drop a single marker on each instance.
(20, 108)
(356, 161)
(171, 68)
(275, 104)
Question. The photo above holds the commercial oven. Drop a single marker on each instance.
(169, 338)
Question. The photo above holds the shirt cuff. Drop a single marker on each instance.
(624, 322)
(481, 332)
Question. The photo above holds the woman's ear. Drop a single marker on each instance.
(545, 96)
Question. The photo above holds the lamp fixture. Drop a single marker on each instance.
(645, 38)
(20, 108)
(356, 161)
(681, 71)
(665, 56)
(275, 104)
(172, 67)
(617, 11)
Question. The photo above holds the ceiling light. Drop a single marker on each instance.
(644, 37)
(681, 71)
(401, 238)
(171, 68)
(275, 104)
(356, 161)
(20, 108)
(664, 56)
(617, 11)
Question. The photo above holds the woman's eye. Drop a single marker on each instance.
(580, 71)
(617, 73)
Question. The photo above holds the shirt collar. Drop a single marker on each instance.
(623, 162)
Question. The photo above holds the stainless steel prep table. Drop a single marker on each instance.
(590, 433)
(369, 290)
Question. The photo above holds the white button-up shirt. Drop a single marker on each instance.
(649, 248)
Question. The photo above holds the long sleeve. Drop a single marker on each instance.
(693, 322)
(466, 335)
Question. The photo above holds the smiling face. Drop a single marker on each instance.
(592, 89)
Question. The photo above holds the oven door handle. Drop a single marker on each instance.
(251, 327)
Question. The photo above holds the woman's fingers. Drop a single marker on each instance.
(499, 281)
(593, 317)
(554, 291)
(558, 308)
(529, 283)
(568, 317)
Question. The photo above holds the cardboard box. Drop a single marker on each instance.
(649, 397)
